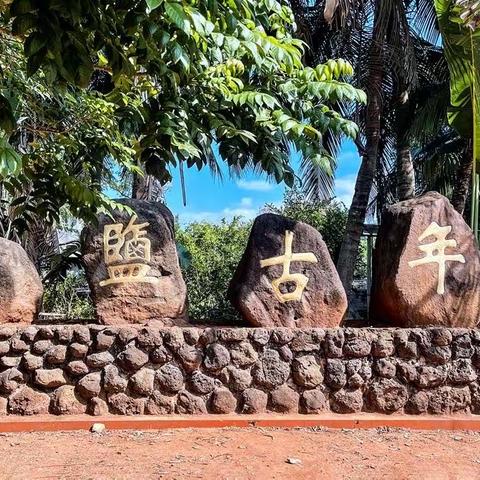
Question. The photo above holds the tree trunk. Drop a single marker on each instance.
(463, 181)
(405, 173)
(358, 209)
(146, 188)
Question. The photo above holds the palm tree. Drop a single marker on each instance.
(459, 22)
(378, 38)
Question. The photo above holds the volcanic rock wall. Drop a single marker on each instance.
(71, 369)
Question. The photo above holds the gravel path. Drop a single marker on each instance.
(241, 454)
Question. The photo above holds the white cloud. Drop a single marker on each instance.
(246, 202)
(243, 209)
(255, 185)
(344, 188)
(245, 213)
(191, 217)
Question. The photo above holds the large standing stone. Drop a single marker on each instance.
(21, 289)
(406, 294)
(135, 277)
(308, 294)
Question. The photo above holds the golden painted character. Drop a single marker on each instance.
(127, 244)
(286, 259)
(435, 252)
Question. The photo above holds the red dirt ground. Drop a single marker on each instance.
(248, 453)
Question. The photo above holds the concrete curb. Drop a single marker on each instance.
(354, 421)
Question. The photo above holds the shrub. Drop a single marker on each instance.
(209, 255)
(69, 296)
(329, 217)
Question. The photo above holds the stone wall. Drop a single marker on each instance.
(71, 369)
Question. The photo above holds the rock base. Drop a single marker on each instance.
(76, 369)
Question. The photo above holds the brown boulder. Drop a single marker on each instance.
(21, 289)
(268, 292)
(64, 401)
(135, 276)
(426, 266)
(26, 401)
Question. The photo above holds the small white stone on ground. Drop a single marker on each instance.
(294, 461)
(97, 428)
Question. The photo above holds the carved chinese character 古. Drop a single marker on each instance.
(286, 259)
(127, 253)
(435, 252)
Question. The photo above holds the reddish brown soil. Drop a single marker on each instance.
(257, 454)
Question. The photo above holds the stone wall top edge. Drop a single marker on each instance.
(16, 327)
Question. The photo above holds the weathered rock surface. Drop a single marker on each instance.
(156, 290)
(65, 401)
(50, 378)
(122, 404)
(409, 287)
(223, 401)
(310, 294)
(245, 370)
(254, 401)
(314, 401)
(89, 386)
(190, 404)
(159, 404)
(284, 400)
(27, 401)
(97, 407)
(21, 289)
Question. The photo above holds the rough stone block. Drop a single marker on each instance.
(99, 360)
(346, 401)
(122, 404)
(387, 395)
(169, 378)
(254, 401)
(314, 401)
(223, 401)
(90, 385)
(65, 402)
(21, 288)
(26, 401)
(270, 371)
(56, 355)
(307, 372)
(189, 404)
(284, 400)
(50, 378)
(142, 381)
(153, 295)
(158, 404)
(216, 357)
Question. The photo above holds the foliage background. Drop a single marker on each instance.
(209, 254)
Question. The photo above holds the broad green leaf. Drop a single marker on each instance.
(153, 4)
(176, 14)
(7, 118)
(462, 49)
(34, 43)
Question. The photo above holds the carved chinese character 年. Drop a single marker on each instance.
(435, 252)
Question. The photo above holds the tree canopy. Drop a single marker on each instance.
(183, 79)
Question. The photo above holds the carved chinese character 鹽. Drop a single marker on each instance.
(127, 253)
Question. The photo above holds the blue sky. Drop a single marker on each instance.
(212, 199)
